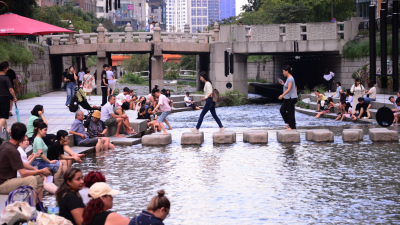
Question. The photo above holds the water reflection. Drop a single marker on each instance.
(258, 184)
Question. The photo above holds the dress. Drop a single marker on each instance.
(87, 83)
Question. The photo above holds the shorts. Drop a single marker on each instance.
(91, 142)
(4, 107)
(111, 122)
(192, 105)
(163, 116)
(40, 163)
(111, 86)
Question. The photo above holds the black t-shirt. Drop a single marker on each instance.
(100, 218)
(140, 117)
(5, 85)
(364, 105)
(55, 150)
(12, 76)
(147, 116)
(69, 202)
(71, 78)
(104, 76)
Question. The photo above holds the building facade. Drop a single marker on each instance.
(87, 5)
(227, 8)
(43, 3)
(198, 15)
(213, 10)
(176, 14)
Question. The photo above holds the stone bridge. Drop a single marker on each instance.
(271, 39)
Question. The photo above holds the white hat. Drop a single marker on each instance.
(99, 189)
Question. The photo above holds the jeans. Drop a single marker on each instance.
(210, 106)
(287, 112)
(368, 99)
(70, 92)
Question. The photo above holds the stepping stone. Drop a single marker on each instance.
(319, 135)
(190, 138)
(352, 135)
(124, 141)
(227, 137)
(288, 136)
(383, 135)
(156, 140)
(255, 136)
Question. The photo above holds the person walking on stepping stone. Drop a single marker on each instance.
(289, 98)
(210, 105)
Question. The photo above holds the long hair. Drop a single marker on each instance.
(205, 76)
(93, 207)
(36, 109)
(64, 187)
(93, 177)
(40, 126)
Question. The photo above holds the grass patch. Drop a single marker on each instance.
(264, 81)
(14, 53)
(190, 83)
(358, 49)
(28, 95)
(131, 78)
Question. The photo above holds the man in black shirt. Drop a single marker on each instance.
(361, 109)
(104, 85)
(56, 151)
(14, 82)
(6, 89)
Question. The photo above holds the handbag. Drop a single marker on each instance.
(16, 212)
(215, 95)
(4, 135)
(51, 219)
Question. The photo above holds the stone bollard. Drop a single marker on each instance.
(255, 136)
(320, 135)
(178, 36)
(71, 39)
(216, 32)
(190, 138)
(186, 31)
(128, 35)
(288, 136)
(86, 39)
(227, 137)
(383, 135)
(56, 40)
(157, 33)
(100, 36)
(352, 135)
(156, 140)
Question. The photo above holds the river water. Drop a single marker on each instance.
(258, 184)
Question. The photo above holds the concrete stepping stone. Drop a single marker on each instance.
(190, 138)
(124, 141)
(288, 136)
(156, 139)
(352, 135)
(383, 135)
(320, 135)
(227, 137)
(255, 136)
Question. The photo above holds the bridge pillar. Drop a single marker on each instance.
(101, 60)
(157, 72)
(202, 64)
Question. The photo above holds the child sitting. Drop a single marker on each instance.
(141, 113)
(347, 112)
(152, 119)
(329, 106)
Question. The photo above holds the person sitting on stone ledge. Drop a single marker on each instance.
(109, 117)
(10, 163)
(152, 119)
(38, 113)
(397, 110)
(342, 103)
(190, 103)
(362, 110)
(91, 178)
(95, 127)
(157, 211)
(320, 100)
(82, 138)
(329, 107)
(121, 111)
(121, 97)
(347, 112)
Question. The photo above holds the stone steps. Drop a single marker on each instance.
(313, 106)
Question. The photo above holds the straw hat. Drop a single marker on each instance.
(96, 114)
(100, 189)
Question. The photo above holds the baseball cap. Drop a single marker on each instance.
(100, 189)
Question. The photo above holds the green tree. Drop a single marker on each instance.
(188, 62)
(171, 70)
(20, 7)
(291, 13)
(136, 63)
(253, 5)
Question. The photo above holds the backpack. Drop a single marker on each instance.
(23, 194)
(215, 95)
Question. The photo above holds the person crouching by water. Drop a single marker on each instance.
(101, 200)
(157, 211)
(289, 98)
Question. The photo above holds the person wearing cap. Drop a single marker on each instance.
(104, 85)
(189, 102)
(101, 200)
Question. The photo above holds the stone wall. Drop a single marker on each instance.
(39, 73)
(267, 32)
(266, 70)
(321, 31)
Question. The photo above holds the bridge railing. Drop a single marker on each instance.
(102, 36)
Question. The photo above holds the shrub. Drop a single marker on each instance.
(190, 83)
(131, 78)
(259, 81)
(233, 98)
(320, 88)
(28, 95)
(14, 53)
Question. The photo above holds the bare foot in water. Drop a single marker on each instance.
(119, 135)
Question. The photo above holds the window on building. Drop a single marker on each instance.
(193, 12)
(100, 9)
(205, 21)
(204, 12)
(198, 20)
(193, 21)
(193, 29)
(193, 3)
(198, 3)
(198, 12)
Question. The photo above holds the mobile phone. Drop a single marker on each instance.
(41, 153)
(279, 80)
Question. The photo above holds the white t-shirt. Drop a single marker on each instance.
(81, 74)
(151, 28)
(110, 77)
(186, 100)
(208, 89)
(84, 192)
(372, 93)
(120, 97)
(164, 103)
(106, 111)
(24, 157)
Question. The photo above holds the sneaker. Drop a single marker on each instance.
(194, 130)
(67, 105)
(221, 130)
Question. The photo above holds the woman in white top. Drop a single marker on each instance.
(371, 92)
(358, 91)
(328, 76)
(210, 105)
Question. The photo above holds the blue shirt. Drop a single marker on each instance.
(292, 93)
(337, 95)
(77, 126)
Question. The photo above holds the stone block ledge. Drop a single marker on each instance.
(383, 135)
(285, 136)
(255, 136)
(352, 135)
(227, 137)
(156, 140)
(320, 135)
(190, 138)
